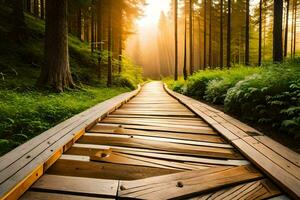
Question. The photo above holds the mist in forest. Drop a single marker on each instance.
(152, 45)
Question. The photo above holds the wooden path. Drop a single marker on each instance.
(158, 145)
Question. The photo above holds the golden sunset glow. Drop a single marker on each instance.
(152, 12)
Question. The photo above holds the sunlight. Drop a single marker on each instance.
(152, 12)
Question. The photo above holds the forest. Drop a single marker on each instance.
(60, 57)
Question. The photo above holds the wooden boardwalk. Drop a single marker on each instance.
(158, 145)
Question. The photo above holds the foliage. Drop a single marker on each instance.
(131, 74)
(269, 95)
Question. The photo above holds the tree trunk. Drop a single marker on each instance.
(260, 33)
(93, 27)
(109, 43)
(120, 42)
(19, 27)
(247, 33)
(42, 9)
(221, 34)
(56, 70)
(28, 6)
(191, 37)
(277, 31)
(210, 35)
(99, 21)
(36, 8)
(184, 60)
(204, 52)
(176, 39)
(229, 35)
(295, 28)
(286, 28)
(79, 24)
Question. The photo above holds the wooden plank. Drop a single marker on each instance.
(77, 185)
(194, 137)
(88, 150)
(162, 139)
(158, 121)
(276, 158)
(158, 113)
(261, 189)
(104, 170)
(33, 195)
(288, 182)
(166, 146)
(187, 184)
(283, 151)
(156, 117)
(201, 130)
(126, 159)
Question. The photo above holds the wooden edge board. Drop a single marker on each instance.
(23, 176)
(285, 180)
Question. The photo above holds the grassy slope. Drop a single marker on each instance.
(25, 111)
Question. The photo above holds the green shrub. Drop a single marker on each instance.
(270, 97)
(216, 89)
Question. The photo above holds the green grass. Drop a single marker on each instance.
(24, 115)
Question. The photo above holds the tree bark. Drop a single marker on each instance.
(185, 59)
(204, 52)
(286, 28)
(277, 31)
(247, 33)
(260, 33)
(229, 34)
(99, 21)
(221, 34)
(36, 8)
(42, 9)
(19, 27)
(109, 43)
(56, 70)
(210, 35)
(191, 37)
(295, 28)
(176, 38)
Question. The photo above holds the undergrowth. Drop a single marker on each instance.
(268, 95)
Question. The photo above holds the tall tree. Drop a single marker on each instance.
(42, 8)
(19, 27)
(247, 42)
(109, 43)
(176, 38)
(295, 28)
(93, 26)
(221, 34)
(56, 70)
(277, 31)
(286, 27)
(260, 33)
(210, 35)
(185, 27)
(99, 35)
(229, 34)
(204, 32)
(191, 14)
(36, 8)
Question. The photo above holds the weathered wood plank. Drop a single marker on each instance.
(256, 190)
(166, 146)
(77, 185)
(33, 195)
(66, 167)
(187, 184)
